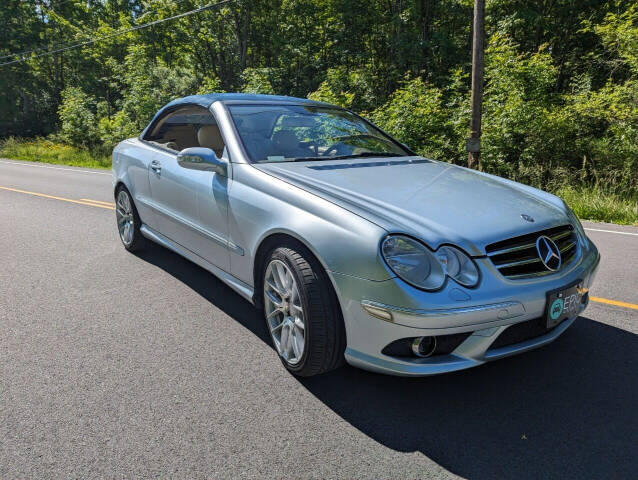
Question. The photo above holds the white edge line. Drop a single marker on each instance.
(611, 231)
(54, 168)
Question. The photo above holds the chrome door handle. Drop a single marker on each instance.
(156, 167)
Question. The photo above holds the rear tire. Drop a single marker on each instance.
(128, 221)
(302, 312)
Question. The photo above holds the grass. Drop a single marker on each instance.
(592, 203)
(47, 151)
(589, 203)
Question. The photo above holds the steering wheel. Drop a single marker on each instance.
(341, 141)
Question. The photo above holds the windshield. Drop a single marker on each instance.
(280, 133)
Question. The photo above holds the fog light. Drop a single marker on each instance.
(423, 346)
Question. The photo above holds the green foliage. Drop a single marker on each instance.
(47, 151)
(257, 80)
(210, 84)
(352, 89)
(78, 123)
(429, 128)
(597, 204)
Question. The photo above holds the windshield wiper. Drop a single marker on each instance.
(342, 157)
(367, 154)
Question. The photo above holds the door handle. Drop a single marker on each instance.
(156, 167)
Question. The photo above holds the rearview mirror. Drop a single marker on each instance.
(200, 158)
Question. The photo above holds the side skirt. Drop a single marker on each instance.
(240, 287)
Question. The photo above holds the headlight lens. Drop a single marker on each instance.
(413, 262)
(458, 266)
(416, 264)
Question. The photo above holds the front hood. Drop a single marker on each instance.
(435, 201)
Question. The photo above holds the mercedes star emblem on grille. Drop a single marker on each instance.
(548, 252)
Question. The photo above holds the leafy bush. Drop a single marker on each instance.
(257, 80)
(417, 115)
(145, 86)
(78, 122)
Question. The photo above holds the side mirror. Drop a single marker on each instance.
(200, 158)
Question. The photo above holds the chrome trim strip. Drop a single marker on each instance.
(517, 263)
(202, 231)
(441, 311)
(240, 287)
(511, 249)
(558, 236)
(567, 247)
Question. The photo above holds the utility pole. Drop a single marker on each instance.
(474, 141)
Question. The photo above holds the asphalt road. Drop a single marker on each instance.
(116, 365)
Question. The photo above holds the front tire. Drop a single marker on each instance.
(128, 221)
(302, 312)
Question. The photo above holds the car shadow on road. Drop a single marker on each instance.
(568, 410)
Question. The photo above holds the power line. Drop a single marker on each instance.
(50, 7)
(118, 33)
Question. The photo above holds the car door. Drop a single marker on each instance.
(191, 206)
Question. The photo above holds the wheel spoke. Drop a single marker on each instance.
(274, 312)
(278, 327)
(284, 340)
(274, 299)
(295, 345)
(281, 277)
(275, 288)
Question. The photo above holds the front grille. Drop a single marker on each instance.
(521, 332)
(518, 258)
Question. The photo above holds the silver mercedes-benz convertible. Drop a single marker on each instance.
(353, 247)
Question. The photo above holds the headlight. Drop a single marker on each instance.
(417, 265)
(413, 262)
(458, 266)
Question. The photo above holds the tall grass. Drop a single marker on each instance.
(47, 151)
(593, 203)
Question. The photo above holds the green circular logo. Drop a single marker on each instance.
(556, 309)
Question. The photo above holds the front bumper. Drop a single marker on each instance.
(485, 312)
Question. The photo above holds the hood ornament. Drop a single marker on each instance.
(549, 253)
(528, 218)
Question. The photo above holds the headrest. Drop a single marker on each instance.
(285, 138)
(209, 136)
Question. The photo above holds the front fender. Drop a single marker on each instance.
(262, 205)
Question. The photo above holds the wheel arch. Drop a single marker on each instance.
(278, 238)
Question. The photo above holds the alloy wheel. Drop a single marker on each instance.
(124, 215)
(284, 314)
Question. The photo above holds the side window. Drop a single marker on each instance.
(185, 127)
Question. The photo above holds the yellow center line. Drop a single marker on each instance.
(108, 207)
(97, 201)
(614, 302)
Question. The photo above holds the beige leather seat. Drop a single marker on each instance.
(209, 136)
